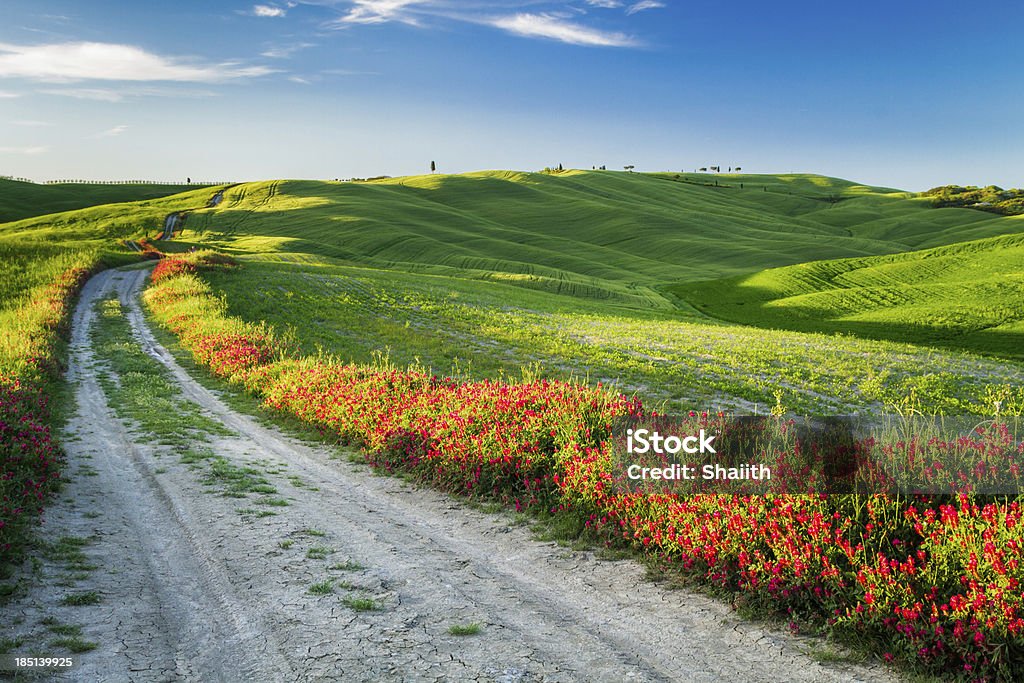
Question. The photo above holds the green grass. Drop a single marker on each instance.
(80, 599)
(322, 588)
(347, 566)
(594, 238)
(74, 643)
(968, 295)
(140, 389)
(361, 604)
(64, 629)
(612, 237)
(479, 329)
(319, 552)
(67, 550)
(464, 629)
(19, 200)
(8, 645)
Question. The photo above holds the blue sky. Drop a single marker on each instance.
(908, 94)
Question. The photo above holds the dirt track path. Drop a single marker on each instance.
(193, 590)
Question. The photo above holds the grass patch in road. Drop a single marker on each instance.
(75, 644)
(67, 550)
(347, 566)
(139, 388)
(322, 588)
(8, 645)
(361, 604)
(64, 629)
(81, 599)
(236, 481)
(319, 552)
(464, 629)
(284, 545)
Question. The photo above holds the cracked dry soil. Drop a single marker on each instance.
(193, 590)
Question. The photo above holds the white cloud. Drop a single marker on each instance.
(284, 51)
(31, 124)
(606, 4)
(644, 4)
(31, 151)
(7, 94)
(378, 11)
(268, 11)
(64, 62)
(554, 28)
(97, 94)
(120, 94)
(112, 132)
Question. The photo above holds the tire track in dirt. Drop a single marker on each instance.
(206, 593)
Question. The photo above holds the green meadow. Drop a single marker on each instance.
(965, 296)
(732, 291)
(20, 200)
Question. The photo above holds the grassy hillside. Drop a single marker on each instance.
(968, 295)
(609, 237)
(481, 329)
(20, 200)
(613, 236)
(34, 250)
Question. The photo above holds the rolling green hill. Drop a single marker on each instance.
(615, 236)
(32, 250)
(20, 200)
(968, 295)
(648, 241)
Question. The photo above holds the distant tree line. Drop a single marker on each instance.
(131, 182)
(991, 198)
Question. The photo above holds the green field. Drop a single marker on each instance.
(968, 295)
(33, 250)
(635, 279)
(485, 329)
(20, 200)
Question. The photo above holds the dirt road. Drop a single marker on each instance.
(194, 586)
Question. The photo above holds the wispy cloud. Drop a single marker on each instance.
(547, 25)
(379, 11)
(120, 94)
(284, 51)
(7, 94)
(31, 123)
(112, 132)
(268, 11)
(555, 28)
(24, 150)
(64, 62)
(644, 4)
(97, 94)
